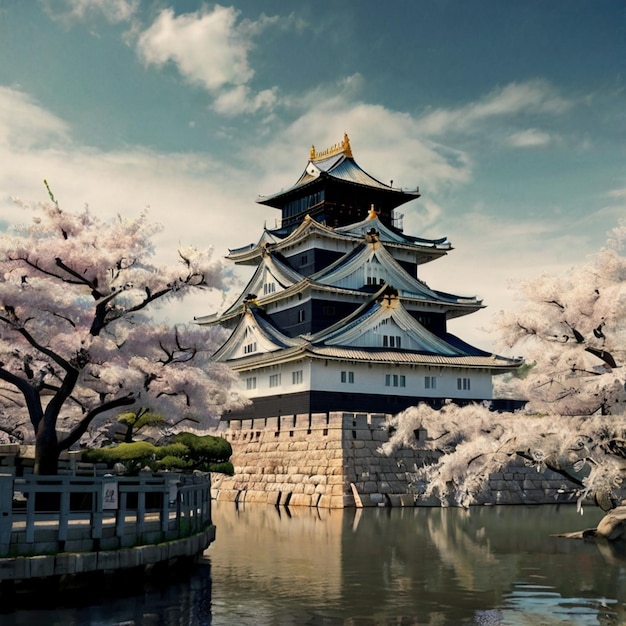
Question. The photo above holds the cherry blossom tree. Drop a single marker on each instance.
(572, 331)
(76, 342)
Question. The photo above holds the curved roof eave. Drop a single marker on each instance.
(391, 235)
(491, 362)
(352, 175)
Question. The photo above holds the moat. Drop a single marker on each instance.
(490, 566)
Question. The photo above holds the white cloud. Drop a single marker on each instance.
(211, 49)
(189, 193)
(386, 143)
(114, 11)
(240, 99)
(205, 202)
(530, 138)
(205, 46)
(530, 97)
(618, 194)
(24, 124)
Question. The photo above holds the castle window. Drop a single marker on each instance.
(274, 380)
(463, 384)
(392, 341)
(430, 382)
(251, 383)
(296, 377)
(269, 288)
(374, 272)
(249, 348)
(395, 380)
(301, 315)
(347, 377)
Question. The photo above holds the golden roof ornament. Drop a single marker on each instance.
(372, 214)
(339, 148)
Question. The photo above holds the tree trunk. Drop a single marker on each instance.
(46, 450)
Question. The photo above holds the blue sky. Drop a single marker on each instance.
(508, 115)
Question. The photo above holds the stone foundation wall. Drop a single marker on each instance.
(331, 461)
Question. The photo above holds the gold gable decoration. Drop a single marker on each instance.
(338, 148)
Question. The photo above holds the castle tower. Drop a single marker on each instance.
(336, 316)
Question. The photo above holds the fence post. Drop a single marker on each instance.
(6, 512)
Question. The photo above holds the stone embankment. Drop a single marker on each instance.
(332, 461)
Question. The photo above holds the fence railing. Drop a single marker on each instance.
(51, 514)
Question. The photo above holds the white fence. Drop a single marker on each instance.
(42, 515)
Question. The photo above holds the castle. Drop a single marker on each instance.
(335, 330)
(336, 316)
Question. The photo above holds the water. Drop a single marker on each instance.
(492, 566)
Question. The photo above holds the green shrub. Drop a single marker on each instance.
(183, 452)
(225, 467)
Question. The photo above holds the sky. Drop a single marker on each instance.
(509, 116)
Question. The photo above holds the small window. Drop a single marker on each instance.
(301, 315)
(249, 348)
(430, 382)
(463, 384)
(274, 380)
(296, 377)
(251, 383)
(395, 380)
(347, 377)
(392, 341)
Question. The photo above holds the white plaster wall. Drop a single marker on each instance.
(370, 378)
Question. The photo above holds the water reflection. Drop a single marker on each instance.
(491, 566)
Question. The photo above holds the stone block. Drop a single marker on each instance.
(21, 568)
(273, 497)
(407, 499)
(300, 499)
(64, 563)
(376, 420)
(256, 497)
(298, 446)
(7, 569)
(377, 499)
(86, 562)
(318, 422)
(41, 566)
(109, 559)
